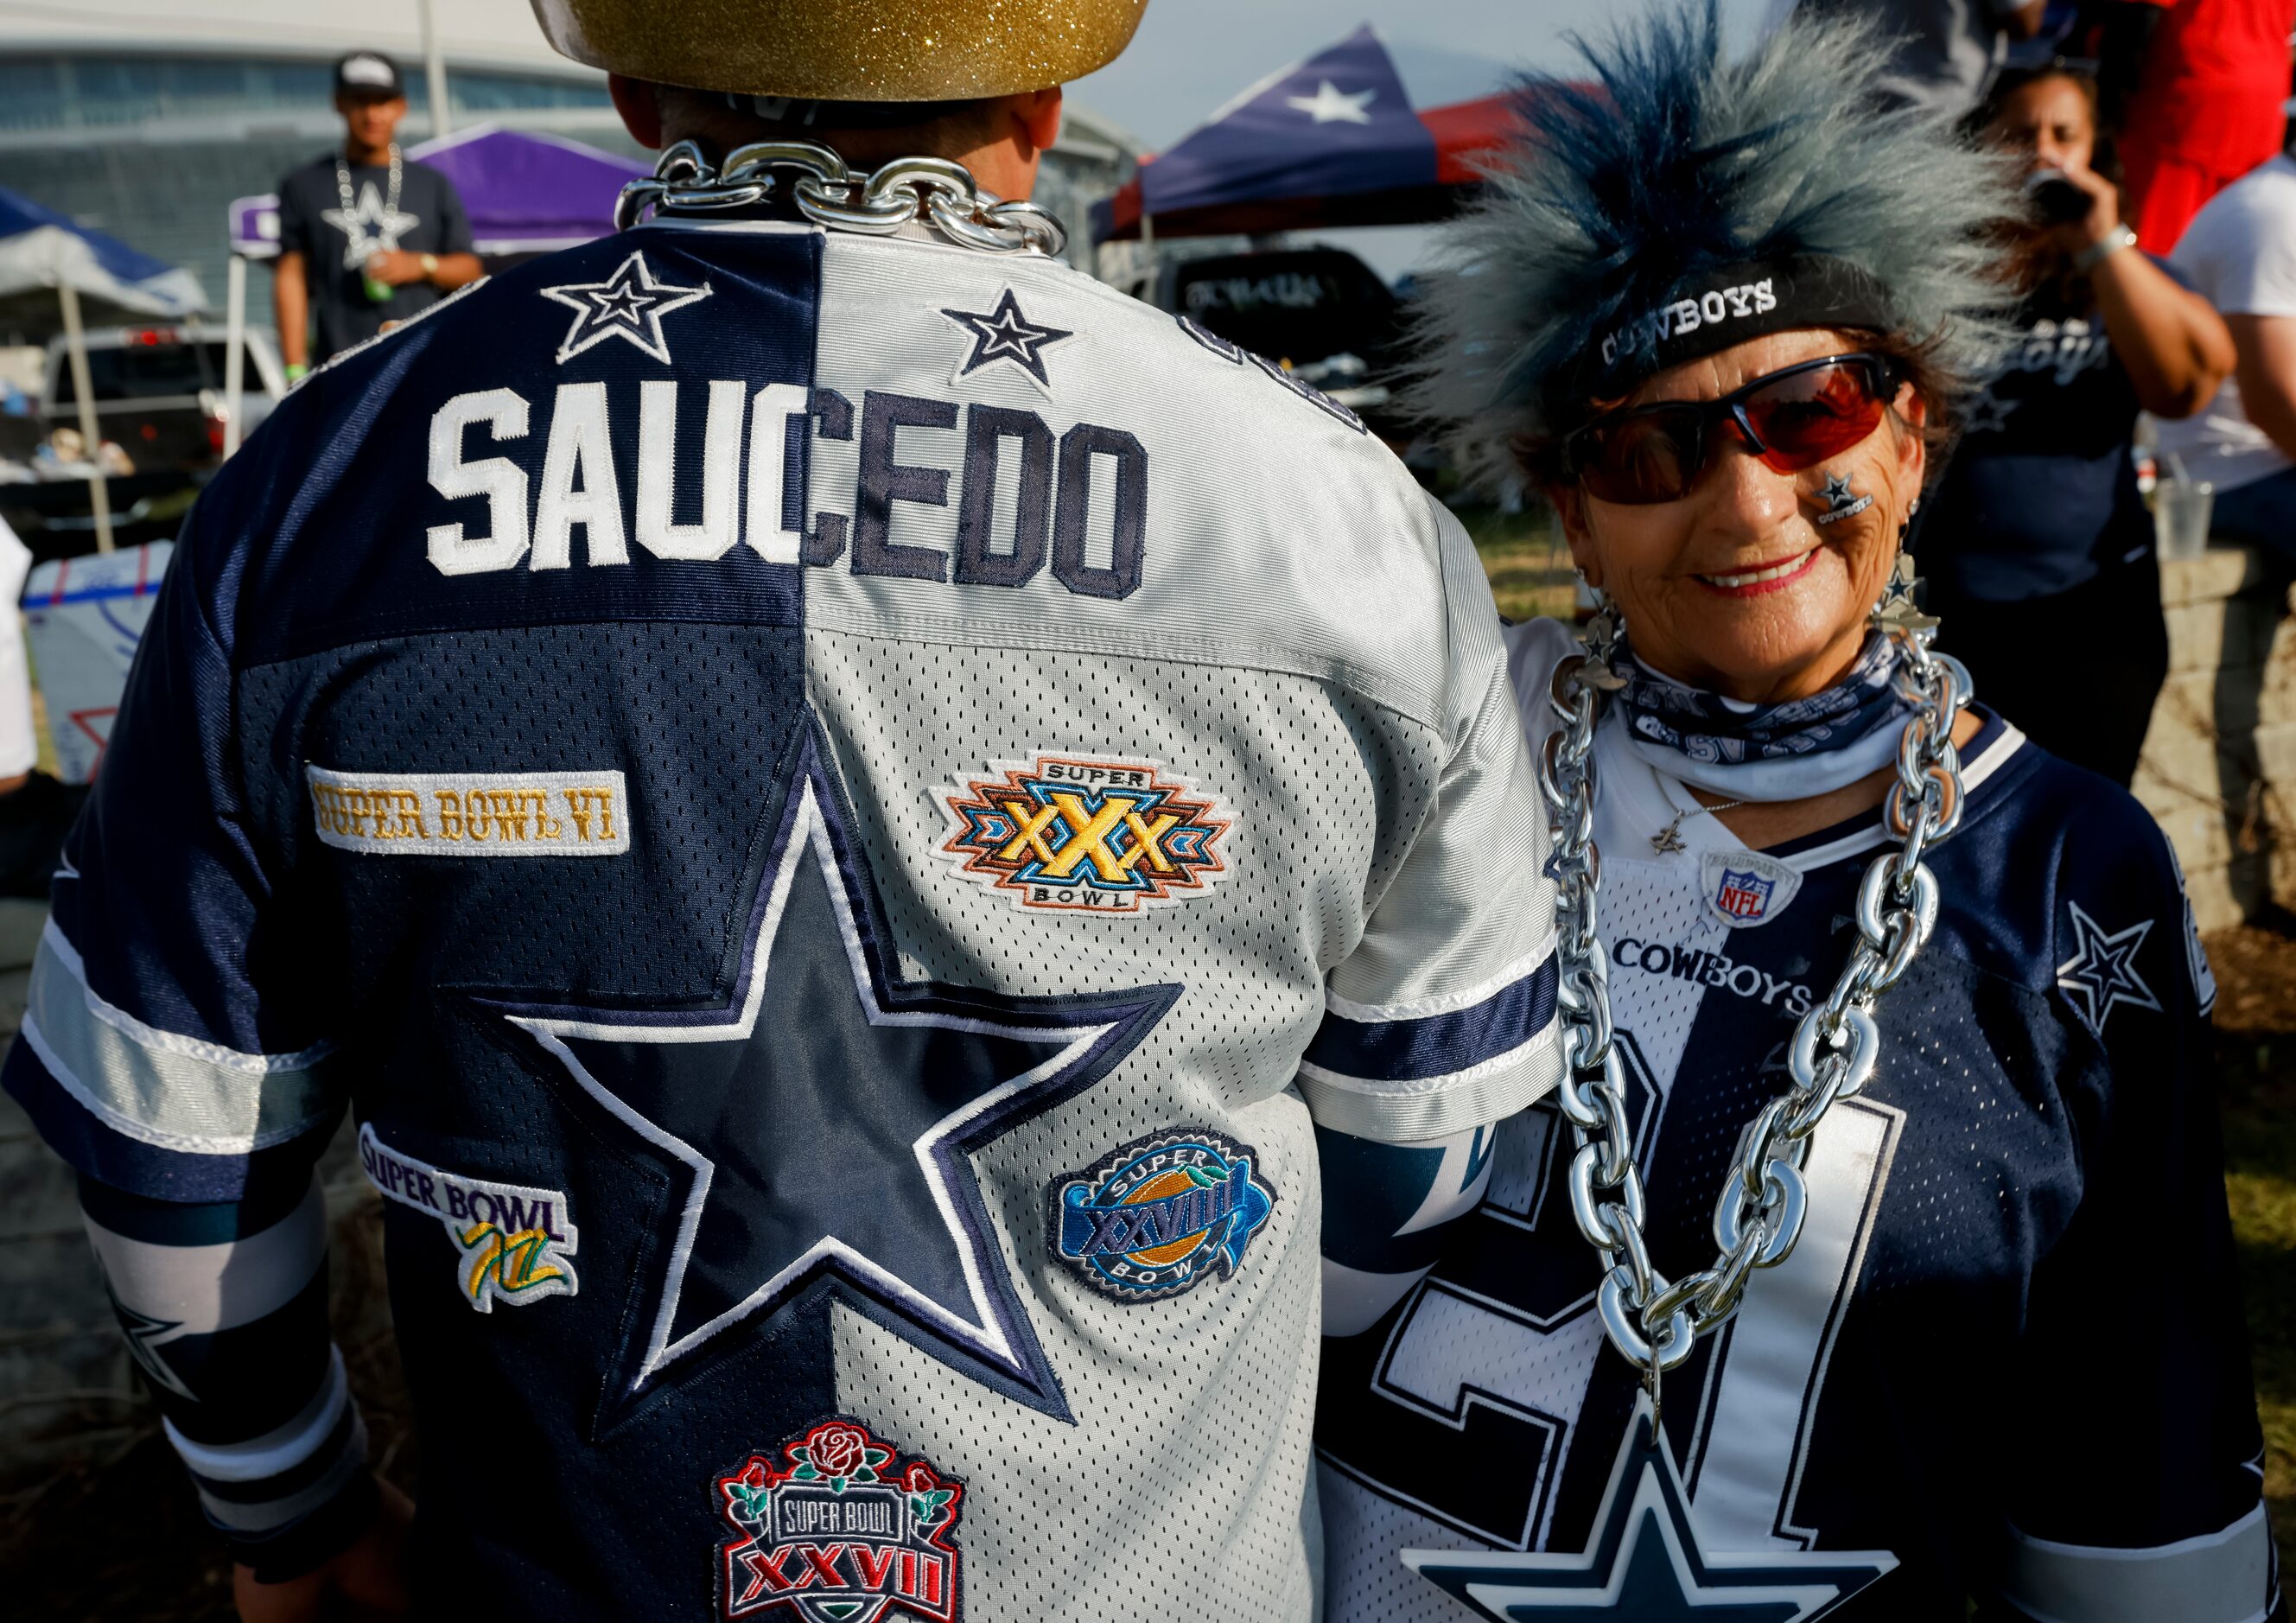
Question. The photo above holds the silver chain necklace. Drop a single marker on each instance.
(352, 258)
(1653, 1321)
(829, 191)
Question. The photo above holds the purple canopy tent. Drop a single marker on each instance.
(523, 193)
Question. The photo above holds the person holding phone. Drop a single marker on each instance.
(2039, 550)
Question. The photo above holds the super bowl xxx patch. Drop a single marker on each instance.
(841, 1528)
(1161, 1215)
(513, 1244)
(471, 813)
(1075, 833)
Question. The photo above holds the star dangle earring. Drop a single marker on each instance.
(1840, 501)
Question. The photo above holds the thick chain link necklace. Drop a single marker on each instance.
(829, 191)
(1654, 1321)
(352, 258)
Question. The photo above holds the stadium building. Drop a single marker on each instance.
(145, 118)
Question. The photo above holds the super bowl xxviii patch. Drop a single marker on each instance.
(1161, 1215)
(1077, 834)
(843, 1529)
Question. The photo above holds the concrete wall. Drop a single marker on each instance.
(2219, 763)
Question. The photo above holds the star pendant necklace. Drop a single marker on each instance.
(1666, 841)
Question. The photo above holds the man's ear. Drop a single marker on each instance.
(640, 108)
(1040, 115)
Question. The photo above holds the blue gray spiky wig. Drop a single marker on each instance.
(1684, 202)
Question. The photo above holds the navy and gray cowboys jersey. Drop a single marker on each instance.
(2004, 1362)
(835, 807)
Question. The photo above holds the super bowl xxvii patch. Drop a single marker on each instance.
(1161, 1215)
(514, 1245)
(842, 1528)
(1077, 834)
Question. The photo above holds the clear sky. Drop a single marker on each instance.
(1190, 56)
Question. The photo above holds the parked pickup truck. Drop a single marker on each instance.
(160, 391)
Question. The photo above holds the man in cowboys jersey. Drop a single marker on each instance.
(813, 790)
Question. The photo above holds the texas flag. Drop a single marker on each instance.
(1331, 140)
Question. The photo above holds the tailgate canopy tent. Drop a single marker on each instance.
(46, 256)
(1330, 140)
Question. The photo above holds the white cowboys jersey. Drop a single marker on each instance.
(838, 804)
(1929, 1401)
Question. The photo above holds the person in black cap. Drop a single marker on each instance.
(364, 237)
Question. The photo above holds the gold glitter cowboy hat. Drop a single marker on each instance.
(845, 50)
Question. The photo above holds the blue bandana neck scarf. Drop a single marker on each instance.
(1786, 752)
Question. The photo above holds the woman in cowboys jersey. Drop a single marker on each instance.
(1872, 1261)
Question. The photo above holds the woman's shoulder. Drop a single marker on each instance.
(2062, 882)
(1534, 648)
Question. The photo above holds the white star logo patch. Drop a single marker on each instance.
(373, 227)
(1332, 105)
(1004, 334)
(2102, 973)
(627, 305)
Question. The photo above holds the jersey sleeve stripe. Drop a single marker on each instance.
(165, 1089)
(102, 1153)
(202, 1288)
(2225, 1577)
(1436, 1107)
(1433, 1049)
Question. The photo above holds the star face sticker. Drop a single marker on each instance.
(1332, 105)
(1643, 1561)
(818, 1128)
(373, 227)
(1840, 504)
(1004, 334)
(2102, 974)
(627, 305)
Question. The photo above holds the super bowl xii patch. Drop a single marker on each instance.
(1161, 1215)
(513, 1244)
(842, 1527)
(1079, 833)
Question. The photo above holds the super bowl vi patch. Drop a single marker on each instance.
(471, 813)
(841, 1528)
(1161, 1215)
(513, 1244)
(1079, 834)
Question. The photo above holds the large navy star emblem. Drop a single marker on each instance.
(1004, 334)
(819, 1125)
(1643, 1561)
(374, 226)
(627, 305)
(2101, 973)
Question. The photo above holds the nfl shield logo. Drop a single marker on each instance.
(1744, 896)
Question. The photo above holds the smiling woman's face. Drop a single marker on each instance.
(1735, 587)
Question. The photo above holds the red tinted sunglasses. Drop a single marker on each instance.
(1793, 419)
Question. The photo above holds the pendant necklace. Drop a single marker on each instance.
(357, 244)
(1666, 841)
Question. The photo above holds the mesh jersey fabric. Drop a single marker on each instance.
(774, 773)
(1926, 1376)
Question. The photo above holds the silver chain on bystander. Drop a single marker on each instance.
(1653, 1320)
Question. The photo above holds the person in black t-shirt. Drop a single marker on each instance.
(364, 237)
(2038, 549)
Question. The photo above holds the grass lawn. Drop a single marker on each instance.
(1523, 555)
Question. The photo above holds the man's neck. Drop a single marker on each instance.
(368, 157)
